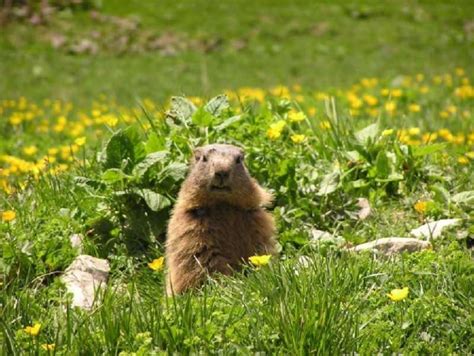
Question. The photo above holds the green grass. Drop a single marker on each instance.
(336, 304)
(69, 166)
(319, 45)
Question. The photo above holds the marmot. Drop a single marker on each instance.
(219, 219)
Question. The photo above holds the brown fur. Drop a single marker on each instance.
(218, 221)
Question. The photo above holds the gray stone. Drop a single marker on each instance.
(393, 245)
(84, 277)
(434, 229)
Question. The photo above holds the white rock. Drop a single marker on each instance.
(392, 245)
(83, 277)
(320, 236)
(433, 229)
(76, 241)
(365, 209)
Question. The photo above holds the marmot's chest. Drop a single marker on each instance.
(224, 225)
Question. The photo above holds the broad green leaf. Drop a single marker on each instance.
(284, 167)
(367, 134)
(149, 161)
(217, 104)
(181, 108)
(228, 122)
(155, 201)
(176, 170)
(138, 145)
(155, 143)
(466, 197)
(113, 175)
(202, 118)
(441, 194)
(329, 184)
(428, 149)
(383, 165)
(354, 156)
(123, 150)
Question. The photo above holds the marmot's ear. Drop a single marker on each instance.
(197, 153)
(242, 153)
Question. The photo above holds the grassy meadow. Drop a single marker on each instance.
(332, 102)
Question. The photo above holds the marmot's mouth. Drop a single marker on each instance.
(217, 188)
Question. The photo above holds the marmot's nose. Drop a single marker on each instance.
(221, 175)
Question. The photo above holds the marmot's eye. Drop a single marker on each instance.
(239, 159)
(204, 158)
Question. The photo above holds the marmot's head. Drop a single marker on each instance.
(218, 175)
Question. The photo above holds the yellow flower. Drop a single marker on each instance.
(297, 138)
(460, 72)
(370, 100)
(30, 150)
(110, 120)
(414, 108)
(444, 114)
(294, 116)
(33, 330)
(385, 92)
(299, 98)
(196, 100)
(452, 109)
(429, 137)
(273, 133)
(320, 96)
(53, 151)
(354, 101)
(80, 141)
(424, 89)
(387, 132)
(281, 91)
(275, 129)
(157, 264)
(421, 206)
(15, 119)
(413, 131)
(260, 260)
(8, 215)
(470, 154)
(390, 106)
(325, 125)
(280, 124)
(398, 294)
(463, 160)
(48, 347)
(396, 93)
